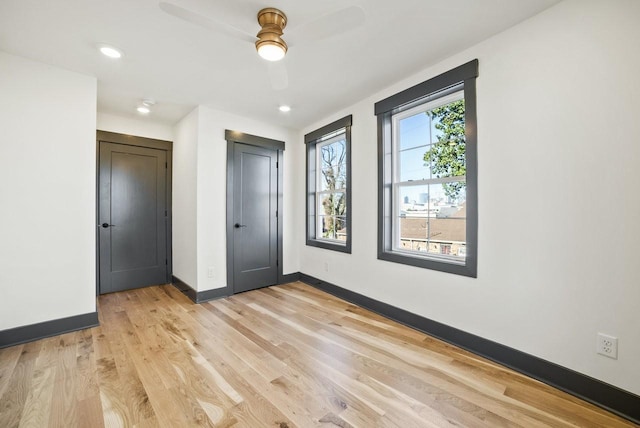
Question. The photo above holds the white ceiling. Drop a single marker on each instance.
(182, 65)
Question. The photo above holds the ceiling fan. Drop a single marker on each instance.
(270, 39)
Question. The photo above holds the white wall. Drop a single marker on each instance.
(140, 127)
(203, 131)
(559, 204)
(184, 199)
(47, 192)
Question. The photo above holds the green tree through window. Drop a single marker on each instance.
(447, 155)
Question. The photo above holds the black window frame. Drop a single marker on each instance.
(434, 88)
(311, 140)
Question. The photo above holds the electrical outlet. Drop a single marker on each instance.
(210, 272)
(326, 266)
(607, 346)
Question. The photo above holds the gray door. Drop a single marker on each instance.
(132, 217)
(255, 232)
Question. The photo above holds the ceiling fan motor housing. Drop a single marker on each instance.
(272, 22)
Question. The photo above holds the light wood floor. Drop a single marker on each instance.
(283, 357)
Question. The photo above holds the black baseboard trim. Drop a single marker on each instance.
(609, 397)
(29, 333)
(217, 293)
(199, 296)
(184, 288)
(290, 277)
(205, 296)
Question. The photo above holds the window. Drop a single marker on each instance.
(427, 173)
(329, 186)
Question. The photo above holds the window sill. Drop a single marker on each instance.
(346, 248)
(468, 268)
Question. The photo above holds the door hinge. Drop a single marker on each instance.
(276, 213)
(277, 164)
(165, 213)
(277, 262)
(166, 262)
(166, 165)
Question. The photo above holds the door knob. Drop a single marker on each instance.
(105, 225)
(238, 225)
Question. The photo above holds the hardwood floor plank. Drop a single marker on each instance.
(90, 412)
(115, 410)
(87, 382)
(38, 403)
(215, 377)
(167, 410)
(9, 357)
(63, 406)
(285, 356)
(19, 386)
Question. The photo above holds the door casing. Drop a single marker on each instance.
(130, 140)
(232, 138)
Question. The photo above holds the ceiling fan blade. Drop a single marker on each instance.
(327, 26)
(278, 75)
(205, 22)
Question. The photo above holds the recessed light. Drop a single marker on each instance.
(110, 51)
(284, 109)
(145, 106)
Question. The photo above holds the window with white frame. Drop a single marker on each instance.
(427, 183)
(328, 186)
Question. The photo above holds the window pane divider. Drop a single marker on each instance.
(328, 192)
(441, 180)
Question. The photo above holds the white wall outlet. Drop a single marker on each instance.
(210, 272)
(607, 346)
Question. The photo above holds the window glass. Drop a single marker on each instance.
(430, 179)
(332, 202)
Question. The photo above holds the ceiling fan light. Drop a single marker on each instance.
(271, 51)
(270, 45)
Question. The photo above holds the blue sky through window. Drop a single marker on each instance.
(416, 134)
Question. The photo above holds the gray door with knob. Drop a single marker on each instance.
(255, 222)
(132, 217)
